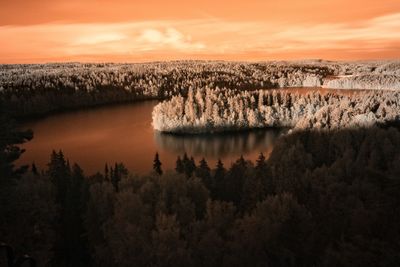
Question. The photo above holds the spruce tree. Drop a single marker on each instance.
(188, 165)
(203, 172)
(106, 172)
(260, 162)
(59, 174)
(115, 177)
(179, 165)
(157, 164)
(34, 169)
(219, 180)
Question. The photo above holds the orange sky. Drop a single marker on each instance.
(129, 31)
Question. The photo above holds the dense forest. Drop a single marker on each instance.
(322, 198)
(210, 110)
(39, 89)
(327, 195)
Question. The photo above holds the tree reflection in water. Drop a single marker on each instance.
(219, 145)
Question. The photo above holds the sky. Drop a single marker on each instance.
(37, 31)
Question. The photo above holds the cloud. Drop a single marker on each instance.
(170, 37)
(374, 34)
(93, 39)
(211, 38)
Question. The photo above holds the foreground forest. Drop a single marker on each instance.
(39, 89)
(322, 198)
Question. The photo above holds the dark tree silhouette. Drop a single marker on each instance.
(157, 164)
(204, 173)
(219, 179)
(106, 172)
(322, 198)
(34, 169)
(117, 174)
(179, 168)
(260, 162)
(13, 261)
(10, 138)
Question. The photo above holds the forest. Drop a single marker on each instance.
(326, 195)
(211, 110)
(34, 90)
(322, 198)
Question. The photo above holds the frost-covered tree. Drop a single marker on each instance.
(233, 110)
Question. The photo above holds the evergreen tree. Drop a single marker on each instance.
(75, 241)
(234, 181)
(106, 172)
(117, 174)
(123, 171)
(189, 165)
(219, 180)
(179, 168)
(253, 190)
(34, 169)
(71, 192)
(112, 175)
(157, 164)
(260, 162)
(59, 174)
(115, 177)
(263, 176)
(192, 166)
(203, 172)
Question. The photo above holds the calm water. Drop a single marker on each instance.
(124, 134)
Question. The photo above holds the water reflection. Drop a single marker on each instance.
(124, 134)
(218, 145)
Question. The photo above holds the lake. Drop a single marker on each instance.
(123, 133)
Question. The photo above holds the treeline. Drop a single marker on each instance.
(369, 81)
(32, 90)
(29, 90)
(321, 199)
(212, 110)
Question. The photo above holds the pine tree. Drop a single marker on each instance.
(157, 164)
(234, 181)
(115, 177)
(192, 164)
(190, 167)
(218, 180)
(71, 199)
(179, 165)
(34, 169)
(75, 240)
(59, 174)
(106, 172)
(260, 162)
(253, 186)
(203, 172)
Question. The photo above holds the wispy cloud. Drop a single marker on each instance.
(156, 39)
(93, 39)
(211, 37)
